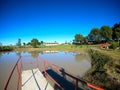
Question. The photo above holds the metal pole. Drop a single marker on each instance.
(44, 68)
(19, 75)
(17, 85)
(21, 66)
(76, 85)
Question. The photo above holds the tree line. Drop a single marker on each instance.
(98, 35)
(34, 43)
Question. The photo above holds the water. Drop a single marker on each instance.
(75, 63)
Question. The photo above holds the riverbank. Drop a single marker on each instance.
(73, 48)
(105, 71)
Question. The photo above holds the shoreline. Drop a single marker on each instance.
(104, 70)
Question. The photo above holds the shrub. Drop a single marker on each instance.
(98, 74)
(113, 45)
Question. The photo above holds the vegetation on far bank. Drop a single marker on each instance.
(6, 48)
(75, 48)
(105, 71)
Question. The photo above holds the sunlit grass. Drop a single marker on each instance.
(115, 54)
(105, 70)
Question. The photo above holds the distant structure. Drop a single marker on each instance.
(50, 43)
(104, 45)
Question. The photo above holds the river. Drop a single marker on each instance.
(73, 62)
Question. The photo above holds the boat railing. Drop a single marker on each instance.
(19, 81)
(46, 63)
(19, 67)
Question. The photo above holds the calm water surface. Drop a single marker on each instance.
(75, 63)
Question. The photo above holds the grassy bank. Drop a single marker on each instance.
(105, 71)
(76, 48)
(6, 48)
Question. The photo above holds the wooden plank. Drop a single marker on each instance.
(34, 80)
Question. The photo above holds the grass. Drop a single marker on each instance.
(115, 54)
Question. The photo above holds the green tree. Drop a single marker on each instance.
(29, 43)
(42, 42)
(78, 39)
(34, 42)
(116, 31)
(113, 45)
(85, 39)
(95, 35)
(106, 33)
(24, 44)
(19, 42)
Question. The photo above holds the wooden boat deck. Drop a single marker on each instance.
(34, 80)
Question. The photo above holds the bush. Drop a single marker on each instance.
(6, 48)
(113, 45)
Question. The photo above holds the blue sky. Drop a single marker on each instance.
(54, 20)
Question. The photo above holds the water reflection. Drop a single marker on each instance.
(18, 53)
(7, 61)
(34, 54)
(50, 52)
(81, 56)
(75, 63)
(0, 54)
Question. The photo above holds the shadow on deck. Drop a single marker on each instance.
(62, 80)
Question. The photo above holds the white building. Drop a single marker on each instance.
(50, 43)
